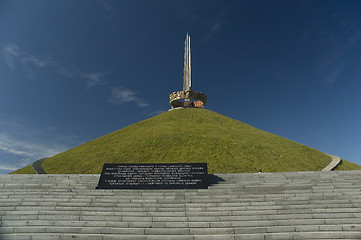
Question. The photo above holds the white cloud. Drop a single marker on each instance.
(27, 149)
(109, 9)
(141, 104)
(21, 143)
(37, 62)
(14, 55)
(11, 52)
(121, 95)
(111, 14)
(333, 43)
(94, 79)
(8, 167)
(155, 113)
(35, 67)
(215, 25)
(212, 23)
(70, 72)
(333, 74)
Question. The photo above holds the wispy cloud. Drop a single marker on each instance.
(21, 143)
(111, 13)
(13, 56)
(109, 8)
(121, 95)
(155, 113)
(189, 14)
(215, 24)
(94, 79)
(211, 22)
(333, 37)
(11, 53)
(35, 67)
(8, 167)
(333, 73)
(17, 153)
(25, 148)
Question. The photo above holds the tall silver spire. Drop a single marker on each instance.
(187, 98)
(187, 73)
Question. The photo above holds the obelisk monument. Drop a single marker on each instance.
(187, 73)
(187, 97)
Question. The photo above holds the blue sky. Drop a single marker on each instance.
(71, 71)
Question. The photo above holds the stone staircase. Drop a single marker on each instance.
(302, 205)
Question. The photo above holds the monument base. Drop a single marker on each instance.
(191, 99)
(175, 108)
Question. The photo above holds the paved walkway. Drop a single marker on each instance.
(334, 162)
(37, 166)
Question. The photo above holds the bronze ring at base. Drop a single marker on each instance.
(187, 95)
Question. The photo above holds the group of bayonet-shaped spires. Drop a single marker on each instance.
(187, 97)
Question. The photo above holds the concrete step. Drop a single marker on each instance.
(155, 212)
(224, 218)
(255, 236)
(306, 205)
(176, 229)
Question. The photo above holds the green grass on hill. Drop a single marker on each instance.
(346, 165)
(25, 170)
(191, 135)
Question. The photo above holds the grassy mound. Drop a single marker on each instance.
(346, 165)
(191, 135)
(25, 170)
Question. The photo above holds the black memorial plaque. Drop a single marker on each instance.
(154, 176)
